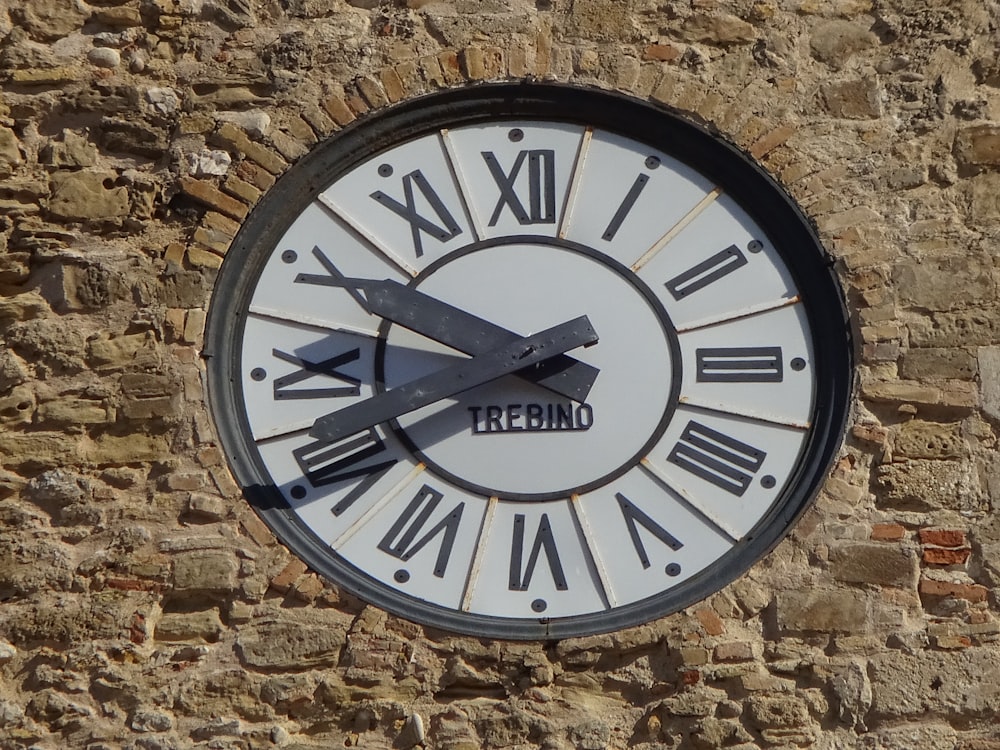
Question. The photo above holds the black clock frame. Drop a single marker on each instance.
(666, 130)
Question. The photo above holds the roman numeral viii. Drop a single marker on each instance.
(359, 457)
(717, 458)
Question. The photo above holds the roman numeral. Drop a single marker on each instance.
(399, 541)
(333, 278)
(748, 364)
(308, 369)
(324, 463)
(635, 518)
(541, 186)
(446, 230)
(699, 276)
(717, 458)
(520, 577)
(626, 205)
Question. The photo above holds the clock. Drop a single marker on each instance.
(528, 361)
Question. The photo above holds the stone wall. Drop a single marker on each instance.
(145, 606)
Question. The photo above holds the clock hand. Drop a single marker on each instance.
(503, 360)
(463, 331)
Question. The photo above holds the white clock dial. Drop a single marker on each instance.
(528, 361)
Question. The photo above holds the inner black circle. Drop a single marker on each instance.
(667, 326)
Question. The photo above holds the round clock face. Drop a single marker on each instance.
(528, 361)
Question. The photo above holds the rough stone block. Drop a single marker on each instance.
(989, 368)
(879, 564)
(601, 20)
(717, 29)
(88, 196)
(859, 99)
(966, 328)
(936, 364)
(978, 146)
(908, 685)
(835, 42)
(206, 570)
(921, 485)
(290, 644)
(823, 610)
(920, 439)
(945, 284)
(190, 626)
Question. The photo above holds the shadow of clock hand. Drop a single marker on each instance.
(460, 330)
(509, 358)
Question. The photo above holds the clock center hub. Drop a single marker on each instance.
(514, 438)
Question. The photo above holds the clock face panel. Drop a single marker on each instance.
(528, 361)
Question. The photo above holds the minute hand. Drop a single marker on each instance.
(464, 331)
(504, 360)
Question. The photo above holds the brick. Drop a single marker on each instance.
(174, 253)
(357, 104)
(943, 537)
(450, 67)
(392, 84)
(710, 621)
(520, 61)
(694, 656)
(255, 175)
(409, 77)
(299, 129)
(372, 91)
(969, 591)
(212, 239)
(770, 141)
(939, 556)
(736, 651)
(288, 146)
(288, 575)
(430, 69)
(337, 108)
(231, 136)
(242, 190)
(201, 257)
(209, 195)
(662, 52)
(223, 224)
(318, 120)
(887, 532)
(257, 530)
(953, 641)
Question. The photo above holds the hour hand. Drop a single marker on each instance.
(462, 330)
(506, 359)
